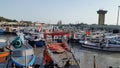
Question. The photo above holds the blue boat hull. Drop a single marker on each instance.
(17, 61)
(40, 43)
(1, 31)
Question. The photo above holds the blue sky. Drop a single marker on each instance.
(51, 11)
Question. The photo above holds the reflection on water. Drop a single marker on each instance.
(103, 59)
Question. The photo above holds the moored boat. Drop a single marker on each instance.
(23, 54)
(59, 52)
(106, 43)
(37, 38)
(4, 52)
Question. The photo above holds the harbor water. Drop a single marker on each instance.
(103, 59)
(87, 58)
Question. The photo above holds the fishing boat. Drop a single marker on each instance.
(4, 53)
(107, 43)
(37, 38)
(59, 53)
(75, 37)
(23, 54)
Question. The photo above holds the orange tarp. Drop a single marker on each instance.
(3, 56)
(65, 46)
(55, 48)
(47, 31)
(87, 32)
(58, 47)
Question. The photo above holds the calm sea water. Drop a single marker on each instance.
(85, 56)
(103, 59)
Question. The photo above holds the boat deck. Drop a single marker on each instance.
(62, 58)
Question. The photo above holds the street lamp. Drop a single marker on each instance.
(118, 15)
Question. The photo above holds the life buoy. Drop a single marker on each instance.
(17, 43)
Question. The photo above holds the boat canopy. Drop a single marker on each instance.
(58, 33)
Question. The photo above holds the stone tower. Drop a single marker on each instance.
(101, 19)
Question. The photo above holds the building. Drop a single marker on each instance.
(101, 18)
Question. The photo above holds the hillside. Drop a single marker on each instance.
(6, 20)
